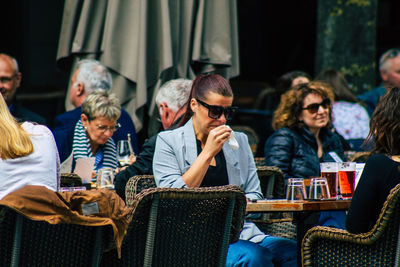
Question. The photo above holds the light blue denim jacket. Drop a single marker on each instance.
(175, 152)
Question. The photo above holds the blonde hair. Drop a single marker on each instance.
(15, 141)
(101, 103)
(291, 106)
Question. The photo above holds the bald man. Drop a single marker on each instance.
(10, 80)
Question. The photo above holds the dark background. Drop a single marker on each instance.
(274, 36)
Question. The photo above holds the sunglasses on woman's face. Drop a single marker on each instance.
(215, 112)
(313, 108)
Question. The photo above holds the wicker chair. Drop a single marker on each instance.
(259, 161)
(137, 184)
(182, 227)
(273, 187)
(25, 242)
(324, 246)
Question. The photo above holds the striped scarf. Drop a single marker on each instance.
(81, 149)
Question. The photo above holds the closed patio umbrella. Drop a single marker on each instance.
(147, 42)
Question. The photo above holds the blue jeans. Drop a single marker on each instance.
(272, 251)
(335, 219)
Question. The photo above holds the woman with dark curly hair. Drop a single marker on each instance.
(381, 171)
(303, 136)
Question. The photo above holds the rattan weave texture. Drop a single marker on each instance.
(189, 226)
(324, 246)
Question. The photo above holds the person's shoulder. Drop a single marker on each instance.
(284, 131)
(67, 119)
(24, 114)
(169, 133)
(35, 128)
(375, 92)
(69, 114)
(379, 158)
(125, 115)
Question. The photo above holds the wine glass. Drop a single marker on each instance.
(124, 152)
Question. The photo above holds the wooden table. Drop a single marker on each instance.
(301, 210)
(283, 205)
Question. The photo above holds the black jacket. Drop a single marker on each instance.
(142, 165)
(295, 151)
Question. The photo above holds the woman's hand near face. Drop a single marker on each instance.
(216, 139)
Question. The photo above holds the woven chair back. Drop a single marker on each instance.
(271, 181)
(25, 242)
(323, 246)
(137, 184)
(183, 227)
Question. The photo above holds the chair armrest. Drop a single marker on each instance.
(332, 246)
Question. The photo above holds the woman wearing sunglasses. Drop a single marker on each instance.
(198, 154)
(303, 136)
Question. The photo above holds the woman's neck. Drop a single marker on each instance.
(199, 135)
(94, 147)
(315, 131)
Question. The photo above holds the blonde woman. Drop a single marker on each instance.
(28, 154)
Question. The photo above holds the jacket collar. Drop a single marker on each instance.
(231, 158)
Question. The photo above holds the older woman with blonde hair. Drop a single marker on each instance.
(92, 135)
(303, 136)
(28, 154)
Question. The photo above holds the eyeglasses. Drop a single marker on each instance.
(313, 108)
(6, 80)
(215, 112)
(391, 53)
(103, 128)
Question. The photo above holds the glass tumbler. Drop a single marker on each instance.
(319, 188)
(296, 189)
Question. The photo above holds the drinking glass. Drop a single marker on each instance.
(105, 178)
(347, 175)
(296, 189)
(124, 152)
(319, 188)
(329, 170)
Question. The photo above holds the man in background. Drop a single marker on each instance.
(170, 100)
(389, 68)
(88, 76)
(10, 81)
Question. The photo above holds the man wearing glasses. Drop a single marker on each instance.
(10, 80)
(88, 76)
(389, 68)
(170, 100)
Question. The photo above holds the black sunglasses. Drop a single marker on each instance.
(215, 112)
(313, 108)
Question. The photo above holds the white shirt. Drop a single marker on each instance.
(41, 167)
(351, 120)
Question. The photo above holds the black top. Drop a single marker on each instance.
(216, 175)
(380, 175)
(295, 151)
(142, 165)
